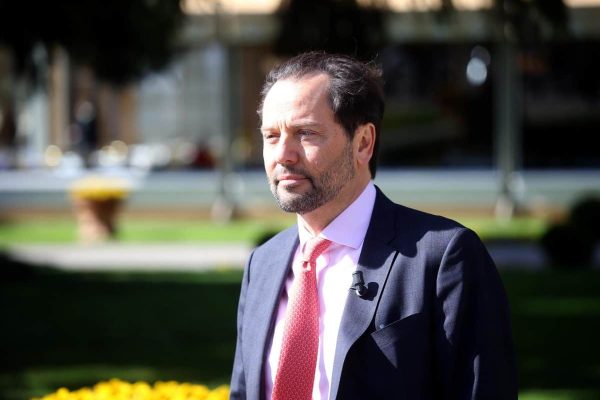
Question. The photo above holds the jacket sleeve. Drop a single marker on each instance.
(474, 347)
(238, 379)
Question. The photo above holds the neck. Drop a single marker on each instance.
(317, 220)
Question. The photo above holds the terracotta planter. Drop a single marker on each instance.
(97, 218)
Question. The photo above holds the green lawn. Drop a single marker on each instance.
(525, 228)
(71, 329)
(575, 394)
(64, 230)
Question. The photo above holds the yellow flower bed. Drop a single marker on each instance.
(99, 188)
(116, 389)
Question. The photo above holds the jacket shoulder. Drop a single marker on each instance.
(272, 242)
(400, 218)
(415, 232)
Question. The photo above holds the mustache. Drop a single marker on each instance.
(291, 171)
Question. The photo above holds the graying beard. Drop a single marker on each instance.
(302, 204)
(319, 196)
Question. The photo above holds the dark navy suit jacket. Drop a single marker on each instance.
(434, 323)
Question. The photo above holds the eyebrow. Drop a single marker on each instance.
(296, 125)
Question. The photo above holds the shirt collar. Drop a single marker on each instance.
(350, 227)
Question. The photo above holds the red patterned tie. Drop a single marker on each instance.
(300, 345)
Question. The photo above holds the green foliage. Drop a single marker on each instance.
(573, 242)
(556, 321)
(75, 329)
(585, 214)
(567, 245)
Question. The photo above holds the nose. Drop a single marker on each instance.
(286, 151)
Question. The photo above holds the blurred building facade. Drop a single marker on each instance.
(442, 87)
(439, 86)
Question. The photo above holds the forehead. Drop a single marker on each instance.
(291, 99)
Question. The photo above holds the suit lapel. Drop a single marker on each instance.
(375, 261)
(269, 272)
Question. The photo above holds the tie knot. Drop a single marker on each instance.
(314, 248)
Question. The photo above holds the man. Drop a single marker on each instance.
(426, 316)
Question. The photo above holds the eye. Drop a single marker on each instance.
(305, 133)
(270, 136)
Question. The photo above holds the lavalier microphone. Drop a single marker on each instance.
(358, 284)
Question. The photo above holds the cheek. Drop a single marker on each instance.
(316, 153)
(313, 159)
(321, 158)
(267, 156)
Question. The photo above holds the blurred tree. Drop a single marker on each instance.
(120, 40)
(519, 26)
(519, 31)
(336, 26)
(357, 27)
(531, 21)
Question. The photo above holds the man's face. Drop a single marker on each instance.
(308, 157)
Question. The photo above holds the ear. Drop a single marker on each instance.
(364, 142)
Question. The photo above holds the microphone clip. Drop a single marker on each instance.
(358, 284)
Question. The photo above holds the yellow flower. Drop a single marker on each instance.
(99, 188)
(116, 389)
(220, 393)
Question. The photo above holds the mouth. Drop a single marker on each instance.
(290, 180)
(287, 180)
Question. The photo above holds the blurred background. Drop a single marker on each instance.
(132, 187)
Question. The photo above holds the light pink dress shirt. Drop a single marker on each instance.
(334, 277)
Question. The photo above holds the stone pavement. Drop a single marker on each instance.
(133, 257)
(205, 256)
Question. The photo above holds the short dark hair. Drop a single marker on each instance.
(355, 90)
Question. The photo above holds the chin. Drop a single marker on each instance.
(291, 191)
(287, 196)
(289, 201)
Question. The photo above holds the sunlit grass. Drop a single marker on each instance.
(206, 231)
(52, 230)
(527, 228)
(64, 230)
(558, 395)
